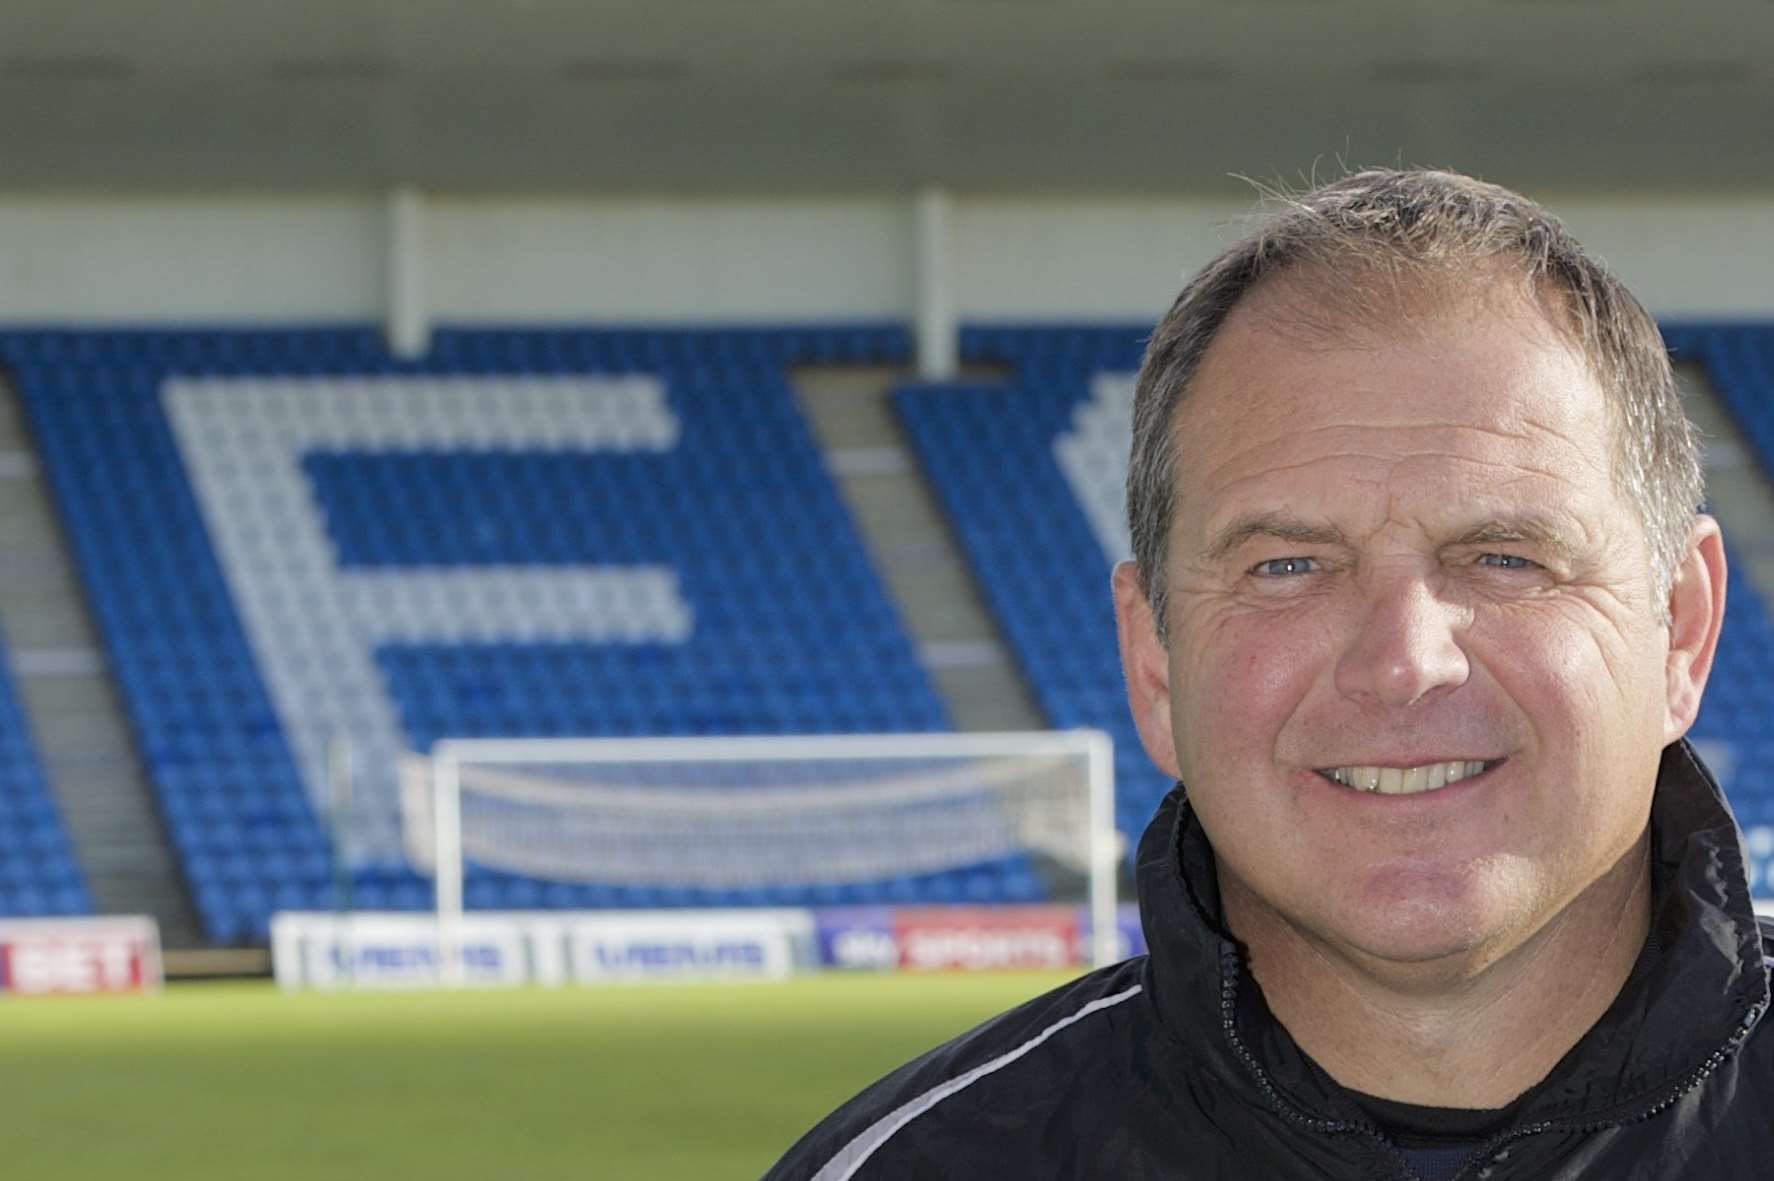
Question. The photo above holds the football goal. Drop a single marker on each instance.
(767, 818)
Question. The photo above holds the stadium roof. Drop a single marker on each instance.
(846, 95)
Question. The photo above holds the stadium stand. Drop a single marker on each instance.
(1739, 361)
(1031, 524)
(452, 488)
(1029, 472)
(1739, 358)
(38, 873)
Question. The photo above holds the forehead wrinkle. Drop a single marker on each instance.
(1381, 466)
(1251, 399)
(1599, 457)
(1294, 438)
(1520, 470)
(1390, 464)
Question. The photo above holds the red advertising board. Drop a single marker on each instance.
(45, 956)
(939, 938)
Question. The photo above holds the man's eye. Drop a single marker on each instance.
(1505, 561)
(1282, 567)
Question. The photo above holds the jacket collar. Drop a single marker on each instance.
(1701, 983)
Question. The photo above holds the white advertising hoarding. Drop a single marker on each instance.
(511, 948)
(699, 944)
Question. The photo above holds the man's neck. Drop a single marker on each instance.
(1474, 1033)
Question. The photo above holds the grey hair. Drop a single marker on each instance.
(1382, 235)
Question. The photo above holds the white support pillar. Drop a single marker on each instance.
(446, 816)
(408, 326)
(938, 332)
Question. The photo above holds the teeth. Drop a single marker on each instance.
(1404, 781)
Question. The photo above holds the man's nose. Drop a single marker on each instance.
(1405, 647)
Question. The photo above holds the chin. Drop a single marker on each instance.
(1420, 918)
(1420, 943)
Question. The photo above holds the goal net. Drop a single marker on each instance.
(748, 815)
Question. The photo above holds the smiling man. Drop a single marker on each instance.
(1421, 609)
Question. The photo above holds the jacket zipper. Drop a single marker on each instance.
(1229, 1021)
(1481, 1157)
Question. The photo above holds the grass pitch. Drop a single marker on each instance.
(244, 1083)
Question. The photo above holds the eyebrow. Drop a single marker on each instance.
(1520, 529)
(1279, 526)
(1517, 529)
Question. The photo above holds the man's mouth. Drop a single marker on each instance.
(1407, 781)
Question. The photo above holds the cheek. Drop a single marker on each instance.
(1591, 693)
(1241, 678)
(1572, 661)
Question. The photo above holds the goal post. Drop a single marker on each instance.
(793, 811)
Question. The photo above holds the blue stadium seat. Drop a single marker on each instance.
(38, 872)
(792, 629)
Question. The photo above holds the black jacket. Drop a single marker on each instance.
(1170, 1065)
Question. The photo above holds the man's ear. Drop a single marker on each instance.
(1145, 662)
(1696, 612)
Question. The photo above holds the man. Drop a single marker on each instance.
(1420, 611)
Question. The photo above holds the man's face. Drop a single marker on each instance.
(1403, 561)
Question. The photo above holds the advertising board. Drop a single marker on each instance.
(510, 948)
(859, 937)
(504, 949)
(697, 944)
(118, 953)
(391, 951)
(883, 938)
(937, 938)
